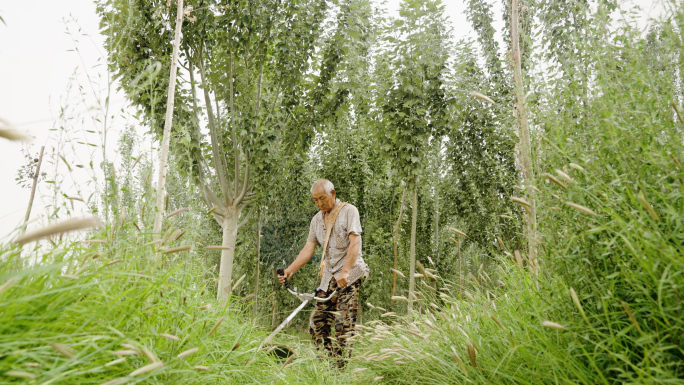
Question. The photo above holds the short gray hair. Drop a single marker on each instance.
(327, 186)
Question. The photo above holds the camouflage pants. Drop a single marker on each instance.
(339, 313)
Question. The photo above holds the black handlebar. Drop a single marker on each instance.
(281, 272)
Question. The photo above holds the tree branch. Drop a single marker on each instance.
(212, 130)
(249, 215)
(236, 152)
(244, 182)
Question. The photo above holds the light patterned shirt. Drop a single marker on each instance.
(348, 222)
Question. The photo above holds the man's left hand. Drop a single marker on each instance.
(342, 280)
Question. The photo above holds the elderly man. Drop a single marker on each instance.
(338, 227)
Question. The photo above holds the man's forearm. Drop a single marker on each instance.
(352, 254)
(303, 258)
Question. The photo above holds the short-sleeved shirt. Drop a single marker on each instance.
(348, 222)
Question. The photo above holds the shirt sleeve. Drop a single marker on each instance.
(353, 221)
(312, 231)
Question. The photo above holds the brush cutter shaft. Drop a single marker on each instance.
(305, 298)
(286, 322)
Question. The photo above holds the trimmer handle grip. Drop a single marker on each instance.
(281, 272)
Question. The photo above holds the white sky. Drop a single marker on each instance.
(37, 60)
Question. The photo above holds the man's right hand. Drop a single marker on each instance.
(288, 274)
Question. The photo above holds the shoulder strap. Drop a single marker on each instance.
(328, 229)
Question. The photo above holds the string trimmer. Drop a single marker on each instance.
(304, 297)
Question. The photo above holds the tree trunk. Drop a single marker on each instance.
(396, 238)
(414, 220)
(437, 226)
(460, 284)
(33, 190)
(168, 121)
(258, 260)
(525, 145)
(230, 228)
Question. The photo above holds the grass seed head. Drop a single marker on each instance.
(647, 206)
(9, 283)
(575, 299)
(65, 226)
(472, 354)
(169, 336)
(581, 208)
(474, 279)
(184, 209)
(458, 359)
(564, 176)
(470, 296)
(553, 325)
(125, 353)
(399, 273)
(480, 96)
(518, 258)
(146, 369)
(69, 276)
(177, 249)
(239, 281)
(576, 167)
(63, 349)
(288, 361)
(149, 355)
(498, 323)
(10, 133)
(187, 352)
(19, 374)
(554, 180)
(202, 368)
(632, 318)
(457, 231)
(521, 201)
(216, 326)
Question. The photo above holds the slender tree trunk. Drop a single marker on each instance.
(396, 238)
(525, 145)
(414, 221)
(258, 261)
(168, 121)
(437, 227)
(230, 228)
(460, 285)
(33, 190)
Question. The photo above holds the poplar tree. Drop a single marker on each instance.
(411, 96)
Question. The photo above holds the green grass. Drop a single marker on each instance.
(94, 312)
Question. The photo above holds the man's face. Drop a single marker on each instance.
(323, 201)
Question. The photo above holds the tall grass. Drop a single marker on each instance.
(93, 312)
(494, 333)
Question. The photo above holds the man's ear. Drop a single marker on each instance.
(332, 193)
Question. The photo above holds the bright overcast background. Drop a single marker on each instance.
(37, 61)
